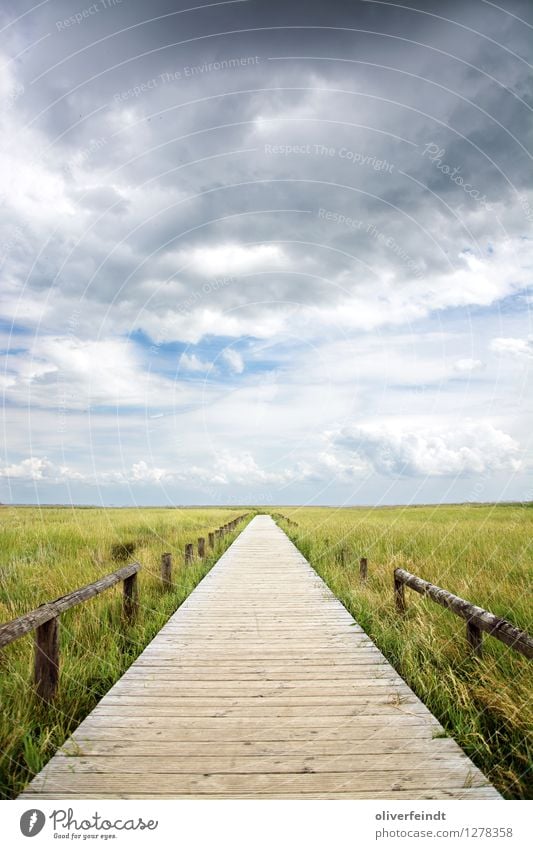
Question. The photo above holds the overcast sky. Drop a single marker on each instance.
(266, 252)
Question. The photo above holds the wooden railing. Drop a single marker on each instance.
(189, 555)
(44, 620)
(477, 619)
(279, 516)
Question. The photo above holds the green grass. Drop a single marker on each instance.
(49, 552)
(480, 552)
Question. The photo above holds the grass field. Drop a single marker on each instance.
(480, 552)
(48, 552)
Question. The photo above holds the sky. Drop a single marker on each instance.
(266, 252)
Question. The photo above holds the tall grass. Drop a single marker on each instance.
(480, 552)
(50, 551)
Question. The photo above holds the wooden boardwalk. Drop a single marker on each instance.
(261, 686)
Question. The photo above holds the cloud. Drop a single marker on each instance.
(234, 360)
(72, 373)
(190, 362)
(227, 469)
(144, 473)
(241, 468)
(231, 259)
(39, 469)
(467, 365)
(513, 347)
(473, 448)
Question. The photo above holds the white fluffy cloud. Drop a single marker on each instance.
(231, 259)
(470, 449)
(38, 469)
(234, 360)
(228, 469)
(191, 362)
(72, 373)
(513, 346)
(467, 365)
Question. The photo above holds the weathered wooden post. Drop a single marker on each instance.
(211, 537)
(399, 595)
(46, 666)
(201, 547)
(363, 569)
(130, 602)
(189, 553)
(166, 570)
(474, 636)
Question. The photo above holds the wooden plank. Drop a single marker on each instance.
(247, 765)
(133, 746)
(328, 782)
(437, 793)
(260, 686)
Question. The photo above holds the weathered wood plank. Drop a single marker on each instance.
(437, 793)
(134, 746)
(459, 777)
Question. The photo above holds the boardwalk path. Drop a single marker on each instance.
(261, 685)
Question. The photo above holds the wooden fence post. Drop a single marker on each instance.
(166, 570)
(399, 595)
(363, 569)
(189, 553)
(201, 547)
(211, 537)
(46, 666)
(130, 602)
(474, 636)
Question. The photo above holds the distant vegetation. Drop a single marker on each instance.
(480, 552)
(48, 552)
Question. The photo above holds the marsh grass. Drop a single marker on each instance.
(47, 552)
(480, 552)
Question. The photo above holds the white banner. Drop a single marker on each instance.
(263, 824)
